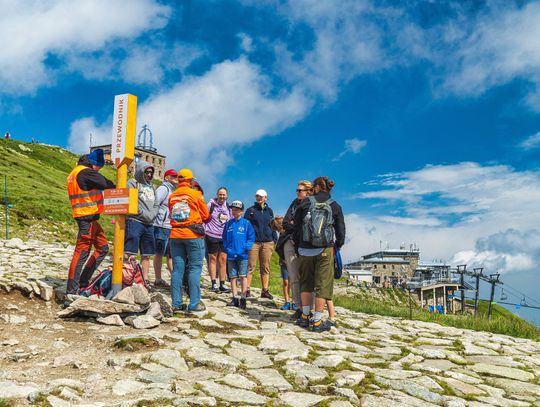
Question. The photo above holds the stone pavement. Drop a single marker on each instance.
(226, 356)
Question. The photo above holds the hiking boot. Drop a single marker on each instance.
(181, 308)
(294, 307)
(297, 314)
(266, 294)
(223, 289)
(215, 289)
(286, 306)
(161, 283)
(321, 326)
(243, 303)
(200, 307)
(303, 321)
(331, 322)
(234, 302)
(66, 304)
(248, 293)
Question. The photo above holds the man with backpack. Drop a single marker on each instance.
(162, 225)
(318, 226)
(85, 185)
(140, 227)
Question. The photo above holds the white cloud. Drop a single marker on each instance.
(201, 120)
(531, 142)
(353, 146)
(500, 45)
(482, 215)
(79, 135)
(32, 31)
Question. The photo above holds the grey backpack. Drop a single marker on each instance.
(318, 224)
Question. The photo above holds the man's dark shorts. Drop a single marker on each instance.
(162, 237)
(139, 237)
(317, 274)
(214, 245)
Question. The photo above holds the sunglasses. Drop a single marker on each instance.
(302, 190)
(149, 172)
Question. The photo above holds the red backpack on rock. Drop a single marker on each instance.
(132, 273)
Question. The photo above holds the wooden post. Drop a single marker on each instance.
(444, 299)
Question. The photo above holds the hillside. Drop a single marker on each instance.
(36, 177)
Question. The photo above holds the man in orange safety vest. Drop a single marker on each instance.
(85, 185)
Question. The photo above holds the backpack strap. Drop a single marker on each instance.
(212, 207)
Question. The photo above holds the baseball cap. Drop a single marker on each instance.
(185, 173)
(237, 204)
(96, 157)
(170, 172)
(261, 192)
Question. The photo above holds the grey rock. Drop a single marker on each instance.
(237, 380)
(196, 401)
(295, 399)
(213, 359)
(46, 291)
(154, 310)
(12, 390)
(170, 358)
(413, 389)
(306, 371)
(13, 319)
(329, 360)
(164, 303)
(99, 306)
(111, 320)
(270, 378)
(502, 371)
(57, 402)
(233, 395)
(10, 342)
(127, 386)
(145, 322)
(349, 377)
(140, 293)
(125, 296)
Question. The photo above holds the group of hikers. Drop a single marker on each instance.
(174, 222)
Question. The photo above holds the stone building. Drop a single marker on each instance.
(390, 265)
(150, 156)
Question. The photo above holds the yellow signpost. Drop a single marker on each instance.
(122, 154)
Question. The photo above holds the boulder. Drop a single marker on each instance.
(46, 291)
(154, 310)
(140, 293)
(164, 302)
(99, 307)
(113, 319)
(145, 322)
(125, 296)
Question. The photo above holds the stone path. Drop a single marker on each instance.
(225, 356)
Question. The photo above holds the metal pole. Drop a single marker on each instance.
(477, 274)
(490, 309)
(6, 203)
(410, 305)
(461, 283)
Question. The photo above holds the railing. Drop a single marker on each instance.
(424, 283)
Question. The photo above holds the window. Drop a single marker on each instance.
(392, 267)
(374, 266)
(384, 266)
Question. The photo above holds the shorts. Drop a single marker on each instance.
(161, 239)
(284, 272)
(139, 237)
(317, 274)
(214, 245)
(237, 268)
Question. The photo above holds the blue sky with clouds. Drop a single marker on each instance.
(426, 114)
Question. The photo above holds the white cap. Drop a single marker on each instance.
(261, 192)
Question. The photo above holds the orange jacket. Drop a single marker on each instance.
(187, 207)
(83, 203)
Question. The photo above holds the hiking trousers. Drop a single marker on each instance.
(293, 266)
(261, 251)
(82, 264)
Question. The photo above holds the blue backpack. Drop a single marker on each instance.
(100, 285)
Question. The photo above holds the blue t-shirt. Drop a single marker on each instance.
(238, 238)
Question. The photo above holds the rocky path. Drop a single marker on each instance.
(226, 356)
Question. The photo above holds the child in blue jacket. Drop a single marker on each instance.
(238, 238)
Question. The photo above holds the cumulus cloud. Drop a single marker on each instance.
(531, 142)
(201, 120)
(499, 45)
(32, 34)
(353, 146)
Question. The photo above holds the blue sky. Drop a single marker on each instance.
(426, 114)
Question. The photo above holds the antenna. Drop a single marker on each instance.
(91, 140)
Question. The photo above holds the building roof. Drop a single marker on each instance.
(393, 252)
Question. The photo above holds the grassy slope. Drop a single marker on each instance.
(36, 188)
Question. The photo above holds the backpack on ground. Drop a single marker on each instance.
(132, 273)
(100, 284)
(318, 223)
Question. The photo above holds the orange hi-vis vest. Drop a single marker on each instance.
(83, 203)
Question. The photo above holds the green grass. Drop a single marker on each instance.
(5, 403)
(395, 303)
